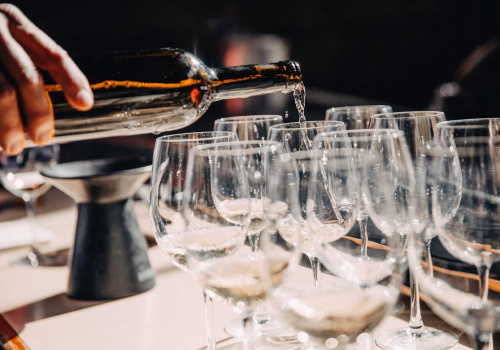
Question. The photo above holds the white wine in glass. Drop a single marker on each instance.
(168, 179)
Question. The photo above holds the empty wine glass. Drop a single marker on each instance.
(217, 210)
(360, 141)
(297, 139)
(358, 291)
(356, 117)
(418, 128)
(20, 175)
(466, 179)
(168, 179)
(248, 127)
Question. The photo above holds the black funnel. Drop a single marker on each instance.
(109, 258)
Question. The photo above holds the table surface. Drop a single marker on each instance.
(39, 315)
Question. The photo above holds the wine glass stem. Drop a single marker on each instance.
(484, 284)
(315, 266)
(415, 313)
(30, 203)
(209, 321)
(429, 257)
(363, 230)
(253, 239)
(247, 318)
(416, 324)
(484, 341)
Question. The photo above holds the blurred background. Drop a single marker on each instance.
(422, 54)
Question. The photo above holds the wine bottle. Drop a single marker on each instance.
(157, 91)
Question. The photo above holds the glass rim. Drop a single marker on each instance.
(293, 126)
(361, 132)
(407, 115)
(464, 123)
(355, 107)
(185, 137)
(223, 148)
(246, 142)
(246, 118)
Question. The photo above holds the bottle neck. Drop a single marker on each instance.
(253, 80)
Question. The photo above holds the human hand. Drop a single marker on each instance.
(24, 49)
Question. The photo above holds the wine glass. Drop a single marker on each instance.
(256, 155)
(252, 128)
(360, 140)
(356, 117)
(297, 139)
(358, 291)
(20, 175)
(217, 210)
(248, 127)
(460, 283)
(418, 128)
(168, 179)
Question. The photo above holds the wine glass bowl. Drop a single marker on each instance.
(356, 117)
(248, 127)
(255, 157)
(297, 136)
(20, 175)
(333, 189)
(347, 304)
(168, 178)
(296, 139)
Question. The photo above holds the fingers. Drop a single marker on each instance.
(31, 97)
(11, 127)
(46, 54)
(23, 49)
(35, 105)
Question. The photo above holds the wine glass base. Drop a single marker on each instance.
(270, 333)
(57, 258)
(425, 339)
(281, 341)
(264, 325)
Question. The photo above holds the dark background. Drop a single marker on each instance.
(395, 52)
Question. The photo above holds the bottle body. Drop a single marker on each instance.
(158, 91)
